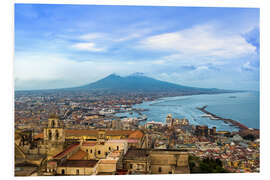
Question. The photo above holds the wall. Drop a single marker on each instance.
(72, 170)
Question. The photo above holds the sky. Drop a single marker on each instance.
(58, 46)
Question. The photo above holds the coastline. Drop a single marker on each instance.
(233, 125)
(241, 127)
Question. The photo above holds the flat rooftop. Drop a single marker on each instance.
(136, 153)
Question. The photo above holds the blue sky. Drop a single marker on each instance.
(70, 45)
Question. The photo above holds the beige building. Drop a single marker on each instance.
(161, 161)
(94, 152)
(100, 150)
(169, 162)
(77, 167)
(137, 161)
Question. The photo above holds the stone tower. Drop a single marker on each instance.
(169, 119)
(54, 136)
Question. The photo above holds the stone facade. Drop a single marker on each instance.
(143, 161)
(54, 137)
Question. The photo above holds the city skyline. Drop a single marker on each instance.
(201, 47)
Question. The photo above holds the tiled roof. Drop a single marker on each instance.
(118, 132)
(79, 155)
(40, 135)
(108, 161)
(78, 163)
(136, 135)
(89, 143)
(91, 132)
(66, 151)
(81, 132)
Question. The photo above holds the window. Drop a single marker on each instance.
(52, 124)
(91, 151)
(98, 151)
(77, 171)
(130, 166)
(56, 134)
(160, 169)
(87, 150)
(109, 148)
(63, 171)
(117, 147)
(50, 135)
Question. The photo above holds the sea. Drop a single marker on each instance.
(243, 107)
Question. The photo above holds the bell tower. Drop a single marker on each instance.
(169, 119)
(54, 136)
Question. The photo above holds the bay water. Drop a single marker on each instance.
(242, 107)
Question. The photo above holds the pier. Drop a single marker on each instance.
(215, 117)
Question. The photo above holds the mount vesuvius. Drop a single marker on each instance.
(139, 83)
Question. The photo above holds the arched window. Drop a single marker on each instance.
(50, 135)
(63, 171)
(53, 123)
(56, 134)
(117, 147)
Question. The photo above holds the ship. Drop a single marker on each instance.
(142, 118)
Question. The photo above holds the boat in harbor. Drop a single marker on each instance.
(142, 118)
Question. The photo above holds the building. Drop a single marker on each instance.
(76, 167)
(104, 152)
(137, 161)
(158, 161)
(53, 136)
(116, 124)
(169, 119)
(205, 131)
(169, 162)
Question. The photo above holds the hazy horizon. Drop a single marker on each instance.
(60, 46)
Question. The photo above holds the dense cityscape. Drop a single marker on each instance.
(69, 133)
(136, 89)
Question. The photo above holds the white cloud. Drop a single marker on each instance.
(128, 37)
(159, 62)
(200, 41)
(45, 71)
(248, 66)
(88, 46)
(91, 36)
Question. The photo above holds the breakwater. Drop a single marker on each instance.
(215, 117)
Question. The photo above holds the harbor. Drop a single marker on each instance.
(227, 121)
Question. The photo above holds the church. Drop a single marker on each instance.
(55, 137)
(102, 152)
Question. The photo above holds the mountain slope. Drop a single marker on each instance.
(140, 83)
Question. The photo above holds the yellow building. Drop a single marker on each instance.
(77, 167)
